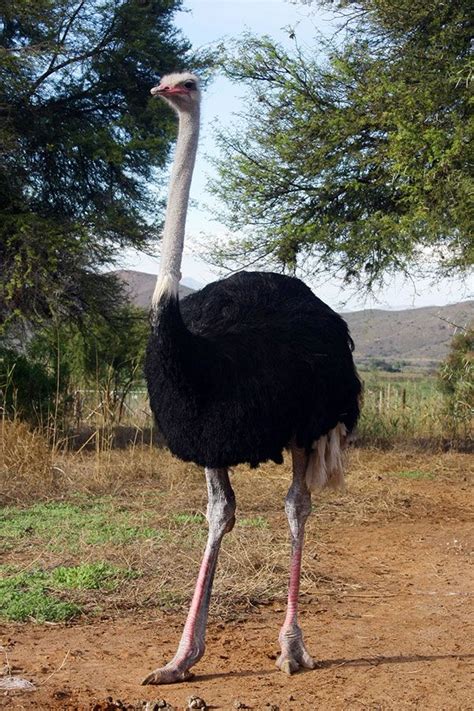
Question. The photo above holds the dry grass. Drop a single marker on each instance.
(152, 489)
(32, 470)
(26, 463)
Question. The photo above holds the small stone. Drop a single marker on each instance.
(61, 694)
(240, 705)
(16, 683)
(195, 702)
(111, 704)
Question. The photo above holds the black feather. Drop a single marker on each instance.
(240, 368)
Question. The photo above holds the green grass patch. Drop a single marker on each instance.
(255, 522)
(36, 594)
(412, 474)
(183, 519)
(65, 525)
(89, 576)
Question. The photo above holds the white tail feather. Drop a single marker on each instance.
(326, 461)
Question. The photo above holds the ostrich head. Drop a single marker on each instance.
(181, 91)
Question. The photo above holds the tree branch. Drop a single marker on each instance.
(78, 58)
(62, 39)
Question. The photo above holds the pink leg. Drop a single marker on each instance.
(298, 507)
(220, 515)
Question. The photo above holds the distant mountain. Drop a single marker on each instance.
(418, 337)
(415, 337)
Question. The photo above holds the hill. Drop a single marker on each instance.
(412, 337)
(416, 337)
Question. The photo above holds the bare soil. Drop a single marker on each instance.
(388, 617)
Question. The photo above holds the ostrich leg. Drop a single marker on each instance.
(220, 515)
(298, 507)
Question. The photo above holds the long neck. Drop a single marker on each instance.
(178, 198)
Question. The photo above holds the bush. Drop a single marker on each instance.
(456, 382)
(27, 389)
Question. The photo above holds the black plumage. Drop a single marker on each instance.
(238, 370)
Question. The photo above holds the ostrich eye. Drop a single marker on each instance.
(190, 85)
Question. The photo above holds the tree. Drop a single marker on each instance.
(101, 355)
(112, 358)
(356, 161)
(80, 139)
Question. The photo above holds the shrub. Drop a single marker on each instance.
(27, 389)
(456, 381)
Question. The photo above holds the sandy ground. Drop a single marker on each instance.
(397, 635)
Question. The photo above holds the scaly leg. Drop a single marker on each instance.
(220, 515)
(298, 507)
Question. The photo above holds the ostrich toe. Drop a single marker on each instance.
(170, 674)
(294, 654)
(291, 663)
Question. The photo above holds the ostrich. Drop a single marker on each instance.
(237, 372)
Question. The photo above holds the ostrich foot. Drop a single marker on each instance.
(170, 674)
(294, 654)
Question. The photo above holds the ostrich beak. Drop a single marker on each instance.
(164, 90)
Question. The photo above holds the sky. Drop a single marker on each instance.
(208, 22)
